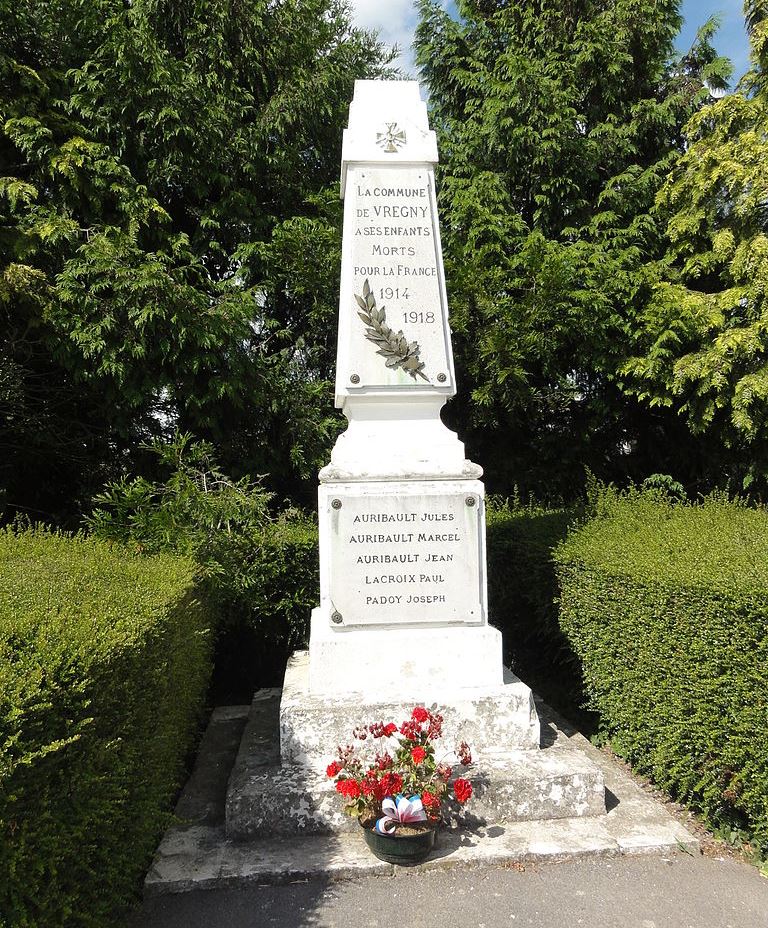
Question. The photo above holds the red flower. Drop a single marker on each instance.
(411, 730)
(391, 784)
(444, 772)
(332, 769)
(383, 761)
(420, 714)
(380, 730)
(350, 789)
(435, 726)
(429, 800)
(418, 754)
(465, 755)
(462, 790)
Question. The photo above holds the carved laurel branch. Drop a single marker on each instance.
(393, 346)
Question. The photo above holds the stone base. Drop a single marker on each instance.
(513, 779)
(492, 718)
(196, 854)
(523, 786)
(366, 660)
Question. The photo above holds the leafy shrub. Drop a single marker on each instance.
(666, 605)
(260, 570)
(104, 664)
(522, 593)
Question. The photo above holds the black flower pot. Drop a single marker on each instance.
(404, 850)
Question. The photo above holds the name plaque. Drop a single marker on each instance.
(393, 320)
(412, 556)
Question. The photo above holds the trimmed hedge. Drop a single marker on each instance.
(666, 604)
(266, 584)
(104, 665)
(522, 594)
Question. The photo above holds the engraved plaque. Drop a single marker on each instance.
(393, 318)
(411, 556)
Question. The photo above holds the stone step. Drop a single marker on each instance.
(489, 718)
(196, 853)
(288, 799)
(202, 858)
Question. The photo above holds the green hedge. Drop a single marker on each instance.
(266, 583)
(104, 664)
(666, 604)
(522, 594)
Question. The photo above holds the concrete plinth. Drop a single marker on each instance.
(514, 778)
(525, 786)
(415, 661)
(490, 718)
(197, 854)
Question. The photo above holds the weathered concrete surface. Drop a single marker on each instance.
(674, 890)
(499, 717)
(260, 745)
(637, 823)
(269, 798)
(202, 801)
(553, 783)
(198, 855)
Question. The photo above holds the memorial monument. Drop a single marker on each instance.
(403, 613)
(402, 527)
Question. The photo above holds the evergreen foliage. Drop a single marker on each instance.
(701, 344)
(259, 571)
(665, 604)
(104, 666)
(558, 125)
(168, 232)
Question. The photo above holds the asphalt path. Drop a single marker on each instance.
(676, 891)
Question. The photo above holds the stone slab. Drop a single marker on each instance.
(636, 822)
(267, 796)
(502, 717)
(524, 785)
(202, 802)
(259, 745)
(392, 274)
(203, 858)
(403, 554)
(365, 661)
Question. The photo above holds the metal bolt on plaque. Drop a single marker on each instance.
(470, 501)
(441, 378)
(336, 504)
(354, 378)
(336, 618)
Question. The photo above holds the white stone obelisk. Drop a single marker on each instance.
(402, 529)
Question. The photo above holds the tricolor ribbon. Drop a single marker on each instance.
(399, 810)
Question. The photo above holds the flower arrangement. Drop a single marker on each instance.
(391, 780)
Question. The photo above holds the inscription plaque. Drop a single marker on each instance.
(393, 320)
(411, 556)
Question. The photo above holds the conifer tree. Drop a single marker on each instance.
(701, 344)
(558, 123)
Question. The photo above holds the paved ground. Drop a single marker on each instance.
(674, 891)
